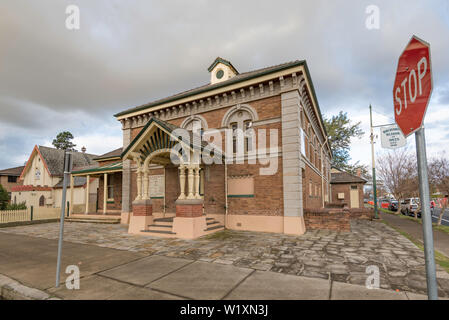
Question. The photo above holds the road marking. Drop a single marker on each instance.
(436, 217)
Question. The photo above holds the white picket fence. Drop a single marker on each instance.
(14, 216)
(40, 213)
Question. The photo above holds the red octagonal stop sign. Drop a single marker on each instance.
(412, 86)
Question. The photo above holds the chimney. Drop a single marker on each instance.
(83, 149)
(359, 172)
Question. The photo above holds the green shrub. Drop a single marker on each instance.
(4, 198)
(16, 206)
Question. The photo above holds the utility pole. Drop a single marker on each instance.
(376, 214)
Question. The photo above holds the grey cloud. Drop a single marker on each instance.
(129, 53)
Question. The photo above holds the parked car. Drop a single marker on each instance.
(409, 206)
(393, 205)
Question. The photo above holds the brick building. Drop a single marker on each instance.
(347, 189)
(247, 151)
(9, 178)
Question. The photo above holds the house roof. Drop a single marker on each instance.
(113, 167)
(111, 154)
(77, 182)
(207, 87)
(54, 160)
(345, 177)
(16, 171)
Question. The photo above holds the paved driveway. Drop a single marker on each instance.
(326, 255)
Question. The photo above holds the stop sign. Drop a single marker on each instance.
(412, 86)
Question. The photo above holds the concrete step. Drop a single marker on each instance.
(166, 219)
(101, 221)
(160, 225)
(209, 223)
(156, 227)
(215, 227)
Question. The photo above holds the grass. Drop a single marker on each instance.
(440, 258)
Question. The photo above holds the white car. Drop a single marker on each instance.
(409, 206)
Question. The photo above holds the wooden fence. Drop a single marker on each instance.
(40, 213)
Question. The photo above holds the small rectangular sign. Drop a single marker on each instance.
(392, 137)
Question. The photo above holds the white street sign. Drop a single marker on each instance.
(391, 137)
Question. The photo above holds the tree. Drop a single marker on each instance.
(398, 171)
(63, 141)
(439, 179)
(340, 130)
(4, 198)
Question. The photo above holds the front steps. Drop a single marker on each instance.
(162, 227)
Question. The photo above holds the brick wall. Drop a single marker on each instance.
(329, 219)
(268, 192)
(8, 185)
(315, 200)
(345, 188)
(214, 187)
(361, 213)
(172, 190)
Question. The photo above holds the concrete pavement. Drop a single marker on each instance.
(117, 274)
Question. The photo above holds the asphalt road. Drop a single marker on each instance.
(436, 214)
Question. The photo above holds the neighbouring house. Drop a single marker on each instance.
(347, 189)
(107, 168)
(42, 179)
(9, 178)
(248, 151)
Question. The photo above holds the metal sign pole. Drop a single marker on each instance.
(424, 191)
(376, 214)
(67, 169)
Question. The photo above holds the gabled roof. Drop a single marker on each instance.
(345, 177)
(225, 62)
(110, 155)
(53, 160)
(195, 141)
(208, 87)
(16, 171)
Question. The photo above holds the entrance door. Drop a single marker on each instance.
(354, 196)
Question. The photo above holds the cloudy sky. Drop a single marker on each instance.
(127, 53)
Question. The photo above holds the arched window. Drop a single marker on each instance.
(42, 201)
(241, 117)
(195, 123)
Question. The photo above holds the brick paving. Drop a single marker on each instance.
(317, 254)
